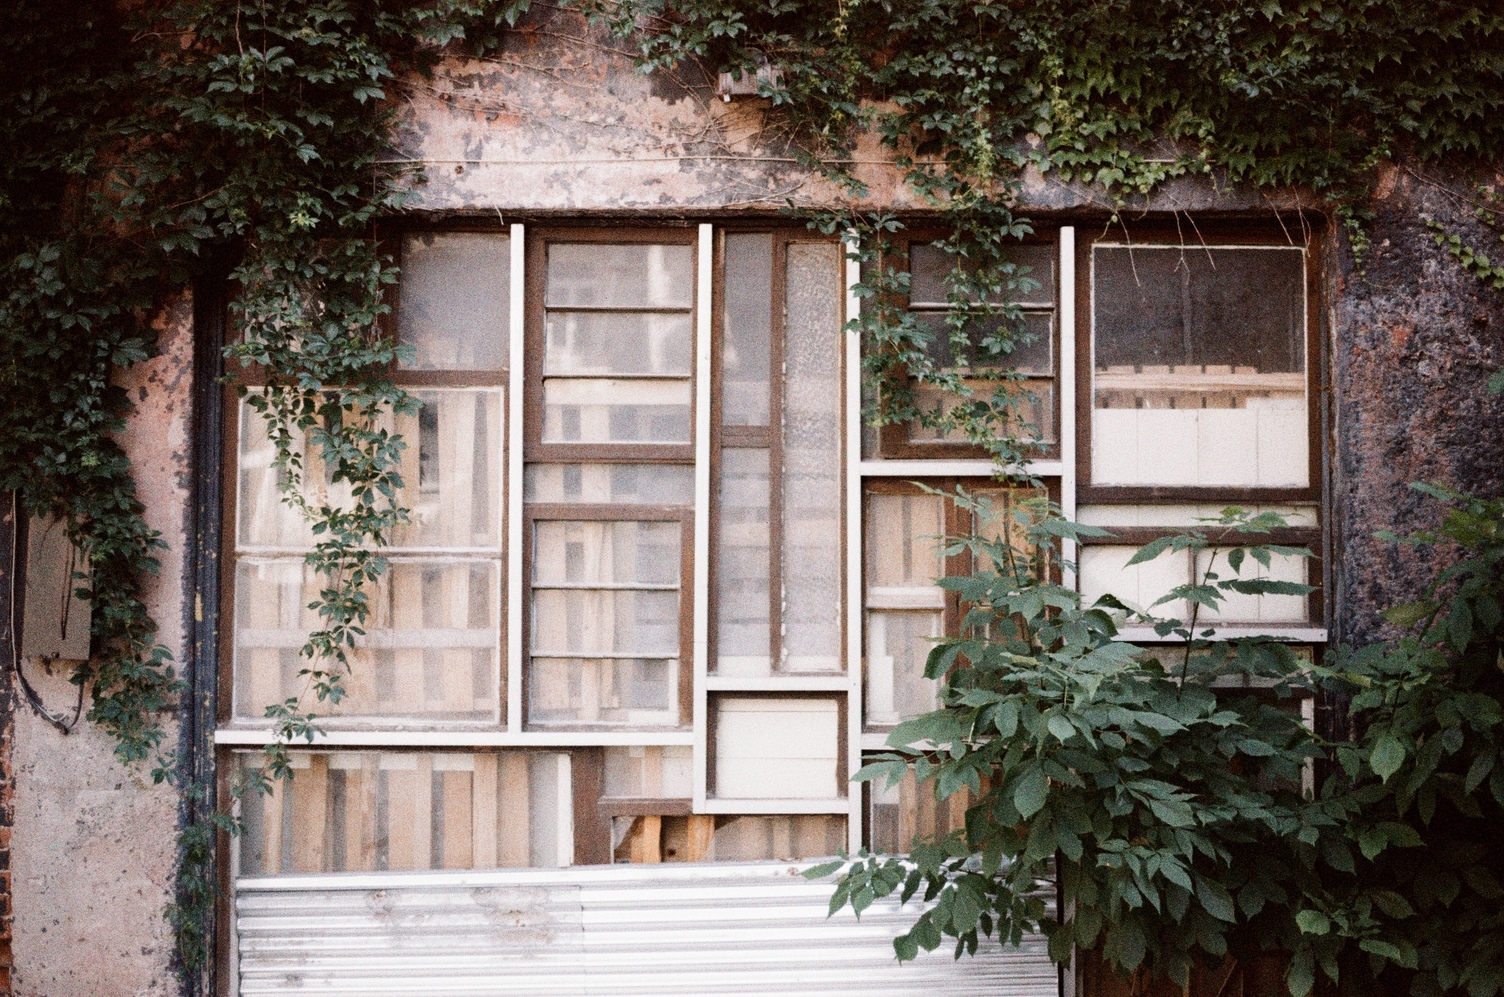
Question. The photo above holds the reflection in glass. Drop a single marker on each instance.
(742, 565)
(634, 692)
(431, 648)
(1198, 372)
(929, 265)
(454, 305)
(623, 484)
(746, 351)
(606, 343)
(599, 275)
(598, 410)
(349, 811)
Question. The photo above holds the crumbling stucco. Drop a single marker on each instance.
(93, 842)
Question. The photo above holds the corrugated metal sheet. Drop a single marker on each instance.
(627, 930)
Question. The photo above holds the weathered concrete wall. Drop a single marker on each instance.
(93, 843)
(1414, 341)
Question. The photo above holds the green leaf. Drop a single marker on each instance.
(1313, 922)
(1062, 728)
(1387, 757)
(1215, 899)
(1176, 813)
(1029, 795)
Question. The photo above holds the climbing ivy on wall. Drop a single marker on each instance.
(147, 142)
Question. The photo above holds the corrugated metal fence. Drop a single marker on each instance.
(627, 930)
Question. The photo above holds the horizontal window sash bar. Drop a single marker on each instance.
(960, 468)
(488, 737)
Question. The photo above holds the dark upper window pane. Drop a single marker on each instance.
(454, 305)
(929, 265)
(595, 275)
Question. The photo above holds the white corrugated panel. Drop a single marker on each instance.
(689, 930)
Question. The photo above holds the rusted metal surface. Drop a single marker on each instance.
(662, 930)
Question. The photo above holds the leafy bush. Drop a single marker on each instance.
(1185, 806)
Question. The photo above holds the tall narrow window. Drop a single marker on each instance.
(779, 523)
(609, 525)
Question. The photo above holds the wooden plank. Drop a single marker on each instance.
(647, 839)
(701, 838)
(458, 816)
(271, 809)
(423, 803)
(513, 844)
(407, 612)
(483, 812)
(310, 799)
(399, 816)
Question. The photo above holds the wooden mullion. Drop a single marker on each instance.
(601, 453)
(777, 326)
(643, 806)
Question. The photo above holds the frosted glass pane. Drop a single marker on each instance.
(1199, 367)
(1032, 340)
(905, 540)
(354, 811)
(453, 308)
(431, 649)
(616, 484)
(1240, 608)
(594, 275)
(649, 771)
(621, 552)
(743, 638)
(597, 410)
(746, 351)
(929, 265)
(589, 622)
(638, 692)
(777, 749)
(452, 470)
(812, 485)
(898, 643)
(908, 811)
(618, 343)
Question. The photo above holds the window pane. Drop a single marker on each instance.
(811, 486)
(588, 622)
(777, 749)
(1033, 345)
(622, 552)
(637, 692)
(618, 343)
(452, 470)
(621, 484)
(1240, 608)
(909, 810)
(649, 771)
(898, 643)
(453, 309)
(592, 275)
(1199, 366)
(929, 265)
(706, 838)
(905, 540)
(743, 568)
(746, 350)
(595, 410)
(346, 811)
(1028, 408)
(431, 649)
(1105, 570)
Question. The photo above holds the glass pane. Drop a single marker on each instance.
(431, 649)
(1033, 343)
(909, 810)
(348, 811)
(898, 642)
(596, 410)
(706, 838)
(746, 350)
(262, 519)
(1027, 409)
(1104, 570)
(637, 692)
(618, 343)
(593, 275)
(743, 568)
(589, 622)
(452, 470)
(616, 484)
(929, 265)
(1239, 608)
(454, 305)
(812, 527)
(1181, 514)
(621, 552)
(1199, 367)
(649, 771)
(905, 540)
(777, 749)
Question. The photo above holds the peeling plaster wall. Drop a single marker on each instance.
(1415, 339)
(93, 842)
